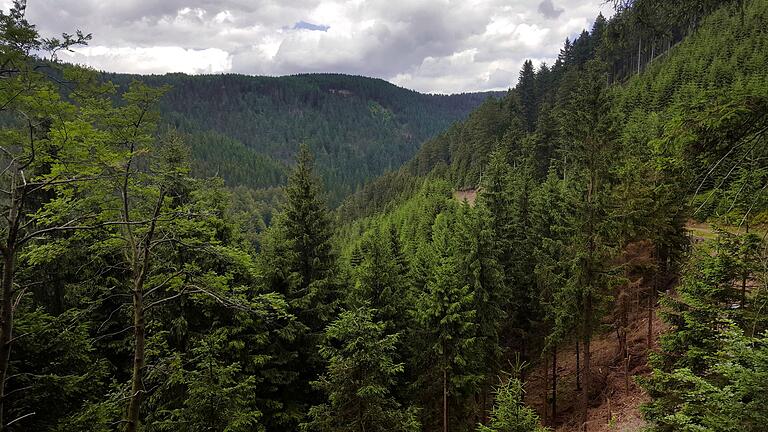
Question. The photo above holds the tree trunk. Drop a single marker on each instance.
(554, 385)
(137, 389)
(586, 381)
(651, 302)
(445, 400)
(626, 374)
(578, 369)
(6, 306)
(141, 264)
(6, 326)
(546, 417)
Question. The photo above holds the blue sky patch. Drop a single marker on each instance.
(303, 25)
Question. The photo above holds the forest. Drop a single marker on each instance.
(248, 129)
(608, 213)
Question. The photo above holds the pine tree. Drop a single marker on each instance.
(510, 413)
(526, 88)
(299, 262)
(447, 317)
(359, 378)
(590, 123)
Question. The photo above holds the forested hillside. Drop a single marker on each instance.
(136, 296)
(586, 175)
(248, 129)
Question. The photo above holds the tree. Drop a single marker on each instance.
(592, 151)
(359, 378)
(141, 197)
(526, 88)
(478, 267)
(380, 282)
(447, 317)
(551, 216)
(298, 261)
(31, 102)
(510, 413)
(498, 200)
(217, 395)
(710, 374)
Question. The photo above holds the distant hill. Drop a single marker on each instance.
(721, 59)
(248, 128)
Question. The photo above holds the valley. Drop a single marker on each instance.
(327, 252)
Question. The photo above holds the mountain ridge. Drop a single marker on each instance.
(247, 129)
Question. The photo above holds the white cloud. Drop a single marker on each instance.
(429, 45)
(152, 60)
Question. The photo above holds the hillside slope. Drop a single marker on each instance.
(247, 128)
(725, 59)
(683, 134)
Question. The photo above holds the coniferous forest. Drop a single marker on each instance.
(588, 245)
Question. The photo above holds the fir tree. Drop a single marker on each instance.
(447, 317)
(360, 375)
(526, 88)
(510, 413)
(299, 262)
(592, 151)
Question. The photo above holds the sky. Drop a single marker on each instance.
(433, 46)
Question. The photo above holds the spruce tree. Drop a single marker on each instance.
(497, 198)
(478, 267)
(298, 261)
(359, 378)
(526, 88)
(710, 372)
(552, 222)
(447, 317)
(379, 281)
(509, 411)
(592, 151)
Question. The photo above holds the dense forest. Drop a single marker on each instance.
(624, 182)
(247, 130)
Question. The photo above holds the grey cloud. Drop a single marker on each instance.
(429, 45)
(549, 10)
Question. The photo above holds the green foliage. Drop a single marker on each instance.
(509, 414)
(360, 375)
(298, 261)
(711, 372)
(234, 294)
(246, 129)
(478, 267)
(298, 258)
(217, 394)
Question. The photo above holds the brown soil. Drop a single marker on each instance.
(468, 194)
(612, 407)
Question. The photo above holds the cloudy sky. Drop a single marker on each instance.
(440, 46)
